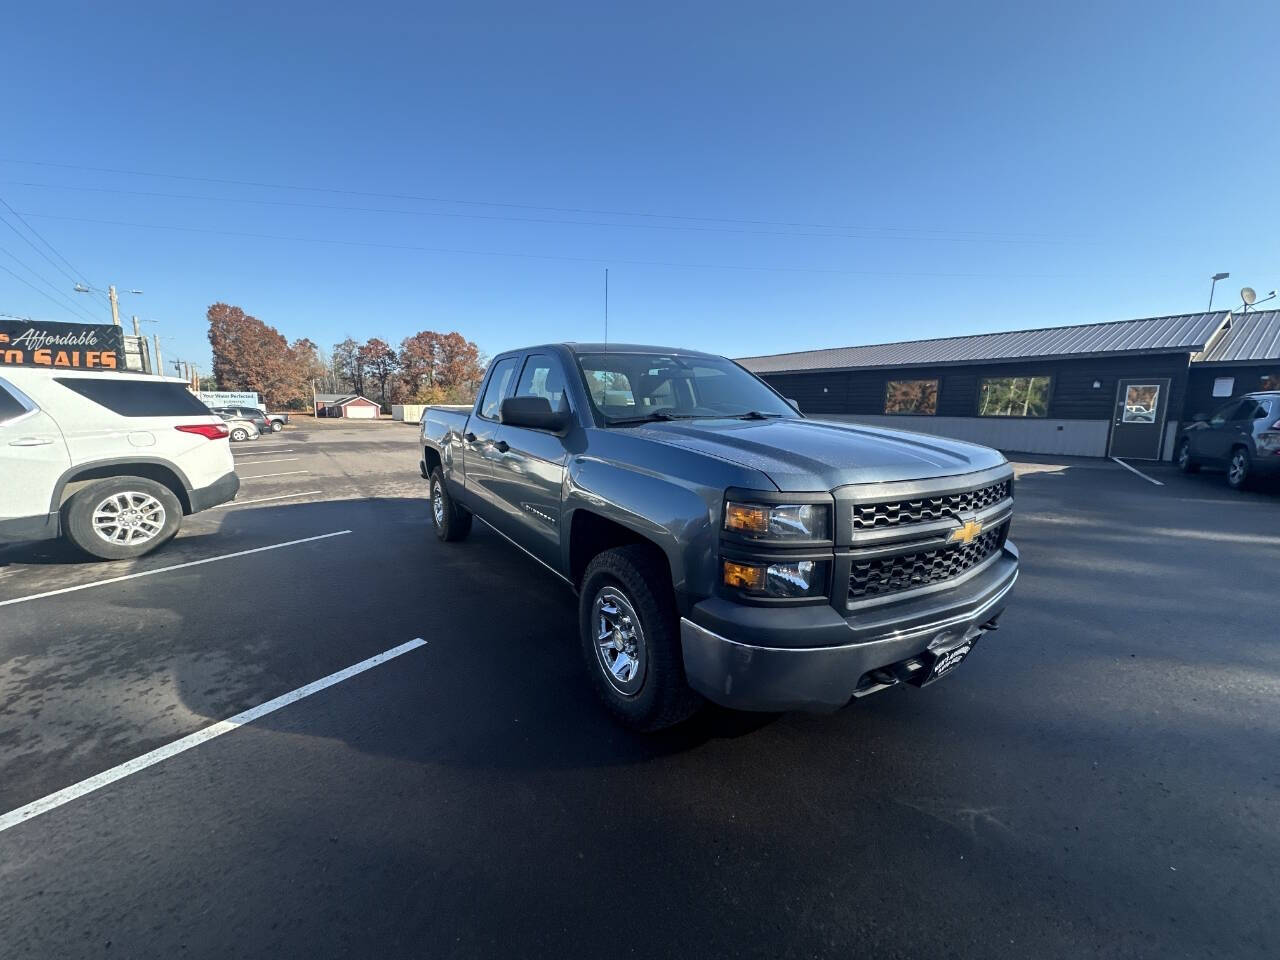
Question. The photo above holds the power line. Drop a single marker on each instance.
(27, 240)
(506, 204)
(538, 220)
(549, 256)
(32, 286)
(54, 249)
(70, 304)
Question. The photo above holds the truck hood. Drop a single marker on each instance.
(821, 454)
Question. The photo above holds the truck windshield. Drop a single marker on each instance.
(636, 387)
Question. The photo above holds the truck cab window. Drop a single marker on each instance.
(497, 388)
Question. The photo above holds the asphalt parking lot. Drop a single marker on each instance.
(1100, 778)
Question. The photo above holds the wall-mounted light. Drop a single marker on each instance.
(1097, 384)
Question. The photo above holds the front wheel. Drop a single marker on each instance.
(449, 520)
(630, 634)
(121, 517)
(1238, 469)
(276, 426)
(1186, 462)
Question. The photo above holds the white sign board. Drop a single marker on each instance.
(229, 398)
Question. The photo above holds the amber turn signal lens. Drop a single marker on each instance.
(746, 519)
(743, 576)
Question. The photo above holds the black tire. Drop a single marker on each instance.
(78, 517)
(1239, 468)
(1186, 462)
(239, 434)
(450, 520)
(659, 695)
(276, 426)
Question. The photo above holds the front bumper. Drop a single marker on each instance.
(812, 658)
(220, 491)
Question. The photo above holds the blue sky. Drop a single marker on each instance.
(757, 177)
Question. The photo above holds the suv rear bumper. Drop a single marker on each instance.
(220, 491)
(811, 658)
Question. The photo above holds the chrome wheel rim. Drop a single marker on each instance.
(238, 435)
(619, 641)
(128, 518)
(1184, 454)
(1238, 468)
(437, 504)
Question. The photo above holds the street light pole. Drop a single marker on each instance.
(112, 298)
(1213, 283)
(159, 356)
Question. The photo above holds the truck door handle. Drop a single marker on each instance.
(502, 446)
(469, 437)
(31, 442)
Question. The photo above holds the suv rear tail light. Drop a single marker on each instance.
(213, 431)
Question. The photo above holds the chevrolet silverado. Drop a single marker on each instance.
(722, 545)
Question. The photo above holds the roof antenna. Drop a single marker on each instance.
(606, 306)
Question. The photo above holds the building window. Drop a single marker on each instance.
(1014, 397)
(1223, 386)
(911, 396)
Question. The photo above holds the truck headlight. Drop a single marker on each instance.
(784, 521)
(789, 579)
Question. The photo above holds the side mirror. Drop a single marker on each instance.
(1199, 417)
(535, 413)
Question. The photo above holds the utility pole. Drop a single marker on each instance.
(606, 306)
(137, 327)
(115, 304)
(159, 357)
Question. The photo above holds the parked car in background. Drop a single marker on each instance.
(240, 428)
(722, 545)
(1242, 436)
(266, 423)
(110, 461)
(261, 419)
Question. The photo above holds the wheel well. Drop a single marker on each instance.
(430, 457)
(151, 471)
(592, 534)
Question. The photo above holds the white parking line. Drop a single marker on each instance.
(176, 566)
(263, 476)
(130, 767)
(1138, 472)
(257, 453)
(281, 460)
(283, 496)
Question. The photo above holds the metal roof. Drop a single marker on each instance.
(1187, 331)
(1249, 336)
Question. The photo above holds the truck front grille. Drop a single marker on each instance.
(883, 575)
(867, 516)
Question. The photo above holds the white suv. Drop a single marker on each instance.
(111, 461)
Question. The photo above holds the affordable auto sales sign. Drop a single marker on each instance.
(76, 346)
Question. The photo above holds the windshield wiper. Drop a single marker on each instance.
(754, 415)
(651, 417)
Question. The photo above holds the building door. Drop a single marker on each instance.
(1137, 429)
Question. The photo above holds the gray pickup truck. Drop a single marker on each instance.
(722, 545)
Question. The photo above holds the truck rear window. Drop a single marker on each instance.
(137, 398)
